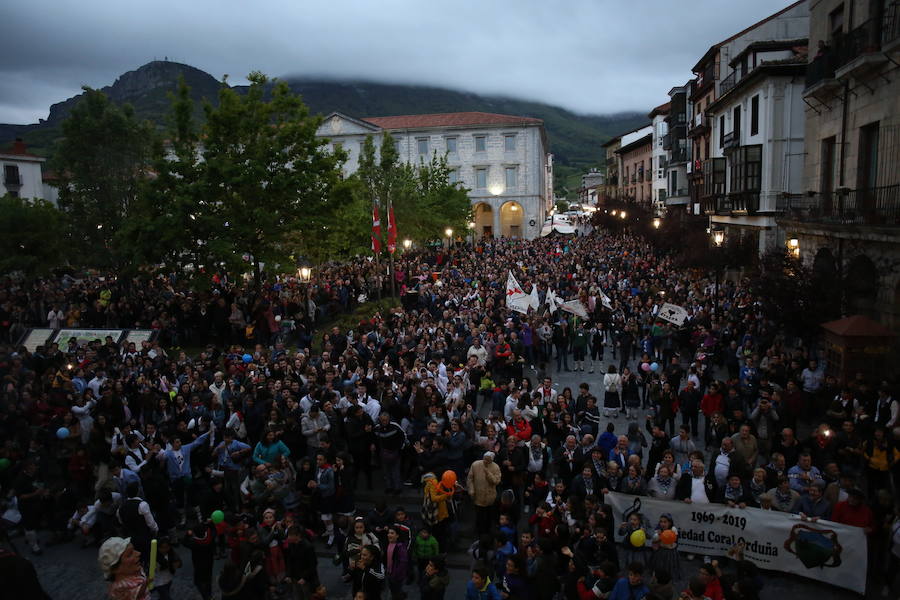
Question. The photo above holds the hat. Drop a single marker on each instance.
(489, 454)
(110, 553)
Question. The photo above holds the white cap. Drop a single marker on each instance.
(110, 553)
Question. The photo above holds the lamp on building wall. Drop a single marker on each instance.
(656, 222)
(496, 189)
(793, 245)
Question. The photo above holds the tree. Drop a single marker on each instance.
(170, 221)
(265, 173)
(102, 160)
(31, 236)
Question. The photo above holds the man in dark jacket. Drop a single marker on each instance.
(696, 488)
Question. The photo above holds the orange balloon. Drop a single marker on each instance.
(668, 537)
(448, 479)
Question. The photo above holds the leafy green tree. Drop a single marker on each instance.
(343, 225)
(265, 174)
(170, 221)
(31, 236)
(103, 160)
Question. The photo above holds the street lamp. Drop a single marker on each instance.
(622, 214)
(793, 245)
(304, 274)
(718, 238)
(656, 222)
(407, 243)
(449, 233)
(614, 212)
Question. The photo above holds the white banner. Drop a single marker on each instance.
(673, 314)
(829, 552)
(575, 307)
(516, 299)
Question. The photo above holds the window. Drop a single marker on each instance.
(480, 143)
(660, 173)
(674, 185)
(836, 21)
(338, 146)
(746, 169)
(362, 147)
(867, 165)
(829, 156)
(512, 178)
(721, 131)
(714, 177)
(481, 178)
(453, 176)
(397, 147)
(11, 175)
(509, 143)
(422, 145)
(754, 115)
(452, 145)
(736, 122)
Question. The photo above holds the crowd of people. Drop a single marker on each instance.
(252, 448)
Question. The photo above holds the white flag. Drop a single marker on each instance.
(534, 299)
(575, 307)
(516, 299)
(604, 299)
(673, 314)
(552, 301)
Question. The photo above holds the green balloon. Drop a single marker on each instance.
(218, 516)
(4, 464)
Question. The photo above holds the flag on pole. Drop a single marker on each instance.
(376, 230)
(575, 307)
(392, 230)
(516, 299)
(673, 314)
(551, 301)
(534, 299)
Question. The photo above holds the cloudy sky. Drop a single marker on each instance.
(591, 56)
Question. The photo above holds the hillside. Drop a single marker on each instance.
(574, 139)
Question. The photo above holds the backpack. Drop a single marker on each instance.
(429, 509)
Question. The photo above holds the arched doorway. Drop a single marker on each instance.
(484, 220)
(861, 285)
(511, 217)
(824, 265)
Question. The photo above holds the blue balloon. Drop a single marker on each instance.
(62, 433)
(247, 358)
(654, 367)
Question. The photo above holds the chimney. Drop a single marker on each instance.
(19, 146)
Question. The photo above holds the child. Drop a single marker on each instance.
(536, 492)
(436, 579)
(543, 521)
(665, 556)
(425, 547)
(167, 562)
(480, 587)
(396, 562)
(630, 553)
(506, 528)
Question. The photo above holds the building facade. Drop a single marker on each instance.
(675, 143)
(502, 160)
(635, 159)
(846, 224)
(610, 190)
(592, 184)
(22, 174)
(659, 156)
(757, 142)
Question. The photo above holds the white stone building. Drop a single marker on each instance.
(757, 141)
(22, 175)
(501, 159)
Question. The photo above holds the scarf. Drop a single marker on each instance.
(664, 484)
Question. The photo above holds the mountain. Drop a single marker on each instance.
(574, 139)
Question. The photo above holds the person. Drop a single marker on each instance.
(138, 522)
(302, 575)
(367, 573)
(167, 562)
(481, 484)
(632, 586)
(200, 540)
(436, 579)
(665, 554)
(514, 585)
(396, 563)
(437, 515)
(31, 498)
(480, 587)
(121, 566)
(612, 385)
(178, 467)
(425, 547)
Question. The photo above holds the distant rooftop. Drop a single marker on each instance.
(459, 119)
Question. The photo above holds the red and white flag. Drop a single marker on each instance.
(516, 299)
(392, 230)
(376, 230)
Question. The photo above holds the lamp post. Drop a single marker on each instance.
(304, 275)
(449, 233)
(406, 244)
(718, 238)
(656, 222)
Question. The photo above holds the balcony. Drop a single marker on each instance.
(727, 84)
(859, 52)
(634, 178)
(705, 79)
(678, 156)
(699, 126)
(679, 193)
(878, 206)
(731, 140)
(667, 141)
(820, 80)
(696, 170)
(611, 161)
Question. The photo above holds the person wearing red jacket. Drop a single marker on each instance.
(543, 522)
(520, 427)
(853, 511)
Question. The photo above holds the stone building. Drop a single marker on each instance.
(502, 160)
(658, 121)
(846, 224)
(610, 190)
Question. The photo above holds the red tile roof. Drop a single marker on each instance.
(19, 149)
(460, 119)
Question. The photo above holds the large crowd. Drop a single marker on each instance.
(253, 447)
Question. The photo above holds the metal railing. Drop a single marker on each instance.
(12, 179)
(667, 141)
(890, 30)
(821, 68)
(862, 40)
(732, 139)
(705, 78)
(870, 206)
(727, 84)
(678, 156)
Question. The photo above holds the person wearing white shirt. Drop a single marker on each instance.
(478, 351)
(97, 382)
(55, 318)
